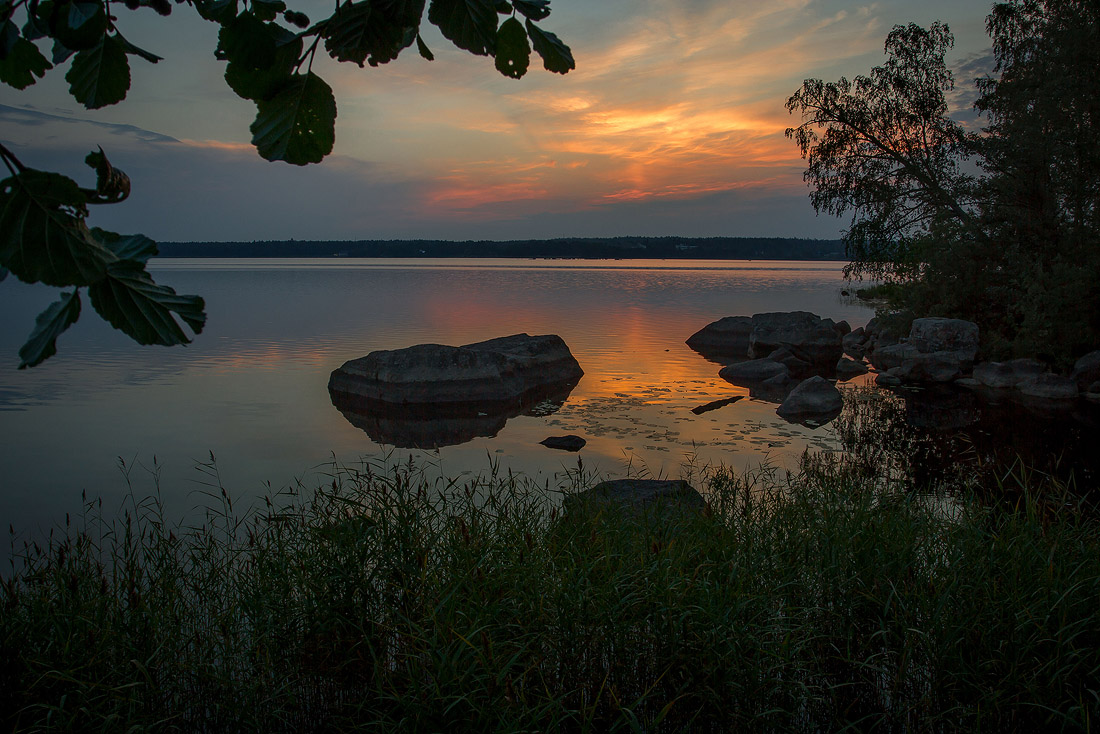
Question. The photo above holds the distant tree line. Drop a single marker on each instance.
(1000, 224)
(718, 248)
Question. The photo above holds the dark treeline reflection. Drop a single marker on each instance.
(952, 437)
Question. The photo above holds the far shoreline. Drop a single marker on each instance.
(579, 248)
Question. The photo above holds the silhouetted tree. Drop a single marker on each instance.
(998, 226)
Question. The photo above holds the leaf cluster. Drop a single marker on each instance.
(44, 238)
(269, 49)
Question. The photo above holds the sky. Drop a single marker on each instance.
(671, 125)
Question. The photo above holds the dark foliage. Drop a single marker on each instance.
(1013, 246)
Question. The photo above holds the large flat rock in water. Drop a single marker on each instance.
(501, 371)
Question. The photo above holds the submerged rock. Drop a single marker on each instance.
(715, 405)
(564, 443)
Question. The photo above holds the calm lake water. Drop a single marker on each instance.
(252, 388)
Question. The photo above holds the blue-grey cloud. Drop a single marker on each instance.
(30, 117)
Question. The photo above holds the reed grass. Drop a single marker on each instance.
(820, 600)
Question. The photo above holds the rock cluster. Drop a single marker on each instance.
(782, 357)
(799, 337)
(940, 351)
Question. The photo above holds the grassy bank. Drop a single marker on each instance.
(808, 602)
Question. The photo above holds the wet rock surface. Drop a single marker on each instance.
(433, 395)
(811, 337)
(727, 338)
(847, 368)
(504, 370)
(753, 372)
(814, 399)
(930, 335)
(807, 337)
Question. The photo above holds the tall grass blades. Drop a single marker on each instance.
(386, 601)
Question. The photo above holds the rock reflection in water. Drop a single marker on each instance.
(435, 425)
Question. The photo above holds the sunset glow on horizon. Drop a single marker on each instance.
(671, 124)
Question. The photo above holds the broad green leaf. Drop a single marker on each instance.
(43, 237)
(556, 56)
(404, 13)
(346, 32)
(23, 65)
(100, 76)
(60, 53)
(513, 53)
(268, 9)
(248, 40)
(36, 26)
(112, 185)
(218, 11)
(78, 24)
(50, 324)
(131, 302)
(297, 125)
(423, 48)
(136, 247)
(469, 24)
(9, 34)
(261, 56)
(133, 50)
(533, 9)
(364, 32)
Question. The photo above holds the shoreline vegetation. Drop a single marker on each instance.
(581, 248)
(847, 593)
